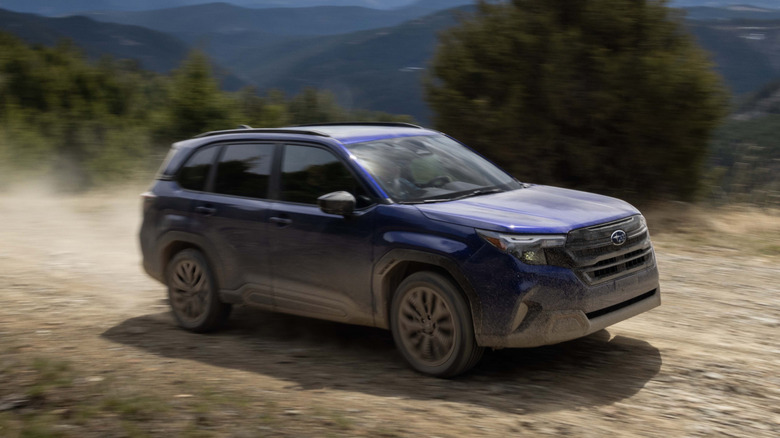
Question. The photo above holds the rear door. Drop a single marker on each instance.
(321, 262)
(233, 216)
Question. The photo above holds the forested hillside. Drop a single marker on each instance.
(154, 50)
(744, 162)
(83, 123)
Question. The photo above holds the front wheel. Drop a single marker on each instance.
(431, 325)
(192, 292)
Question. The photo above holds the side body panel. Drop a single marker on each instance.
(321, 263)
(238, 230)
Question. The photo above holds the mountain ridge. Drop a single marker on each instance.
(78, 7)
(155, 51)
(223, 17)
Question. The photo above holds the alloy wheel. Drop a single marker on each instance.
(190, 290)
(426, 326)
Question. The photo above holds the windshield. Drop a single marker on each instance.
(429, 169)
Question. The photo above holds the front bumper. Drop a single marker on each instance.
(554, 326)
(547, 305)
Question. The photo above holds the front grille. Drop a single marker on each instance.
(592, 255)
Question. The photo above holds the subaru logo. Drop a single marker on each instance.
(619, 237)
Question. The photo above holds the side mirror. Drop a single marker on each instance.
(341, 203)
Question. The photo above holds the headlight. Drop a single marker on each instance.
(528, 248)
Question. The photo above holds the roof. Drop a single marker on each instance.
(346, 133)
(343, 133)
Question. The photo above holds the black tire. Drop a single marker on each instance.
(193, 293)
(432, 326)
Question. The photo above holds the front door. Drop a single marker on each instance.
(321, 263)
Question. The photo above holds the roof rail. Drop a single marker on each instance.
(398, 124)
(248, 130)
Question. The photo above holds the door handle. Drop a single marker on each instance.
(206, 211)
(281, 221)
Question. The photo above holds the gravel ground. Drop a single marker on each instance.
(707, 362)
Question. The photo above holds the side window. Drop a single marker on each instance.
(309, 172)
(195, 172)
(244, 170)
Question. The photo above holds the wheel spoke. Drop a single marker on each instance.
(179, 299)
(443, 347)
(417, 347)
(436, 351)
(433, 302)
(409, 328)
(426, 302)
(444, 339)
(410, 310)
(199, 285)
(446, 330)
(196, 306)
(194, 275)
(185, 272)
(417, 304)
(179, 282)
(427, 348)
(440, 312)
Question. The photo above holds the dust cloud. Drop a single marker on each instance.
(88, 238)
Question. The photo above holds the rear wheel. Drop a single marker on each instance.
(193, 294)
(431, 325)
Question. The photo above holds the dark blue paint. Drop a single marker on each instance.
(424, 240)
(536, 210)
(327, 263)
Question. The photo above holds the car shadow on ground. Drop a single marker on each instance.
(313, 354)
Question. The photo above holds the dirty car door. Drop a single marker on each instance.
(321, 262)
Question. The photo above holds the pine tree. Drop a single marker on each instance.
(604, 95)
(196, 102)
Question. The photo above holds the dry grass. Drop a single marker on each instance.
(734, 227)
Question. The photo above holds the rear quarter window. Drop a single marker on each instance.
(195, 172)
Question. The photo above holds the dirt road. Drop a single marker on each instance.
(88, 348)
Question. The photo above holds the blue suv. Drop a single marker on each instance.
(394, 226)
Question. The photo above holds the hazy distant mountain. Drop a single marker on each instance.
(378, 69)
(222, 18)
(721, 3)
(746, 52)
(70, 7)
(707, 13)
(764, 102)
(155, 50)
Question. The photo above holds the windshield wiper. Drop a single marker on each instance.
(476, 192)
(468, 194)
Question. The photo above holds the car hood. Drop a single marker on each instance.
(535, 209)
